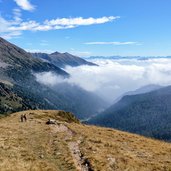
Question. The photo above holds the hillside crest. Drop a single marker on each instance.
(71, 146)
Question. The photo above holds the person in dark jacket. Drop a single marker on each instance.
(25, 117)
(22, 118)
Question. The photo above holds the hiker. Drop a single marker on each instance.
(22, 117)
(25, 117)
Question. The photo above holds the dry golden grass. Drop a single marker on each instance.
(110, 150)
(35, 146)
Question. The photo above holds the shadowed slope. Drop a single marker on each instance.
(148, 114)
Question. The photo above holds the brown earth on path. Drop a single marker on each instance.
(70, 146)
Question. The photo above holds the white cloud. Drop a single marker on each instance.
(4, 24)
(11, 35)
(25, 5)
(48, 78)
(17, 25)
(61, 23)
(79, 21)
(17, 15)
(112, 78)
(4, 29)
(112, 43)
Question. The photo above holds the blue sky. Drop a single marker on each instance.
(89, 28)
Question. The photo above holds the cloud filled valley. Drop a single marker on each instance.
(112, 78)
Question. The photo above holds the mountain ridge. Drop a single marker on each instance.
(62, 59)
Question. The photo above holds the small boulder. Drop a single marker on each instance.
(51, 121)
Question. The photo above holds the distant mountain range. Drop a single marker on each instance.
(126, 57)
(19, 89)
(148, 114)
(62, 59)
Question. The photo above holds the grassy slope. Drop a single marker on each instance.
(35, 146)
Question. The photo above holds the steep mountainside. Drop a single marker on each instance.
(62, 59)
(16, 98)
(17, 69)
(17, 65)
(68, 145)
(64, 97)
(9, 101)
(147, 114)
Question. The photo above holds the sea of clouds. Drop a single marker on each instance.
(112, 78)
